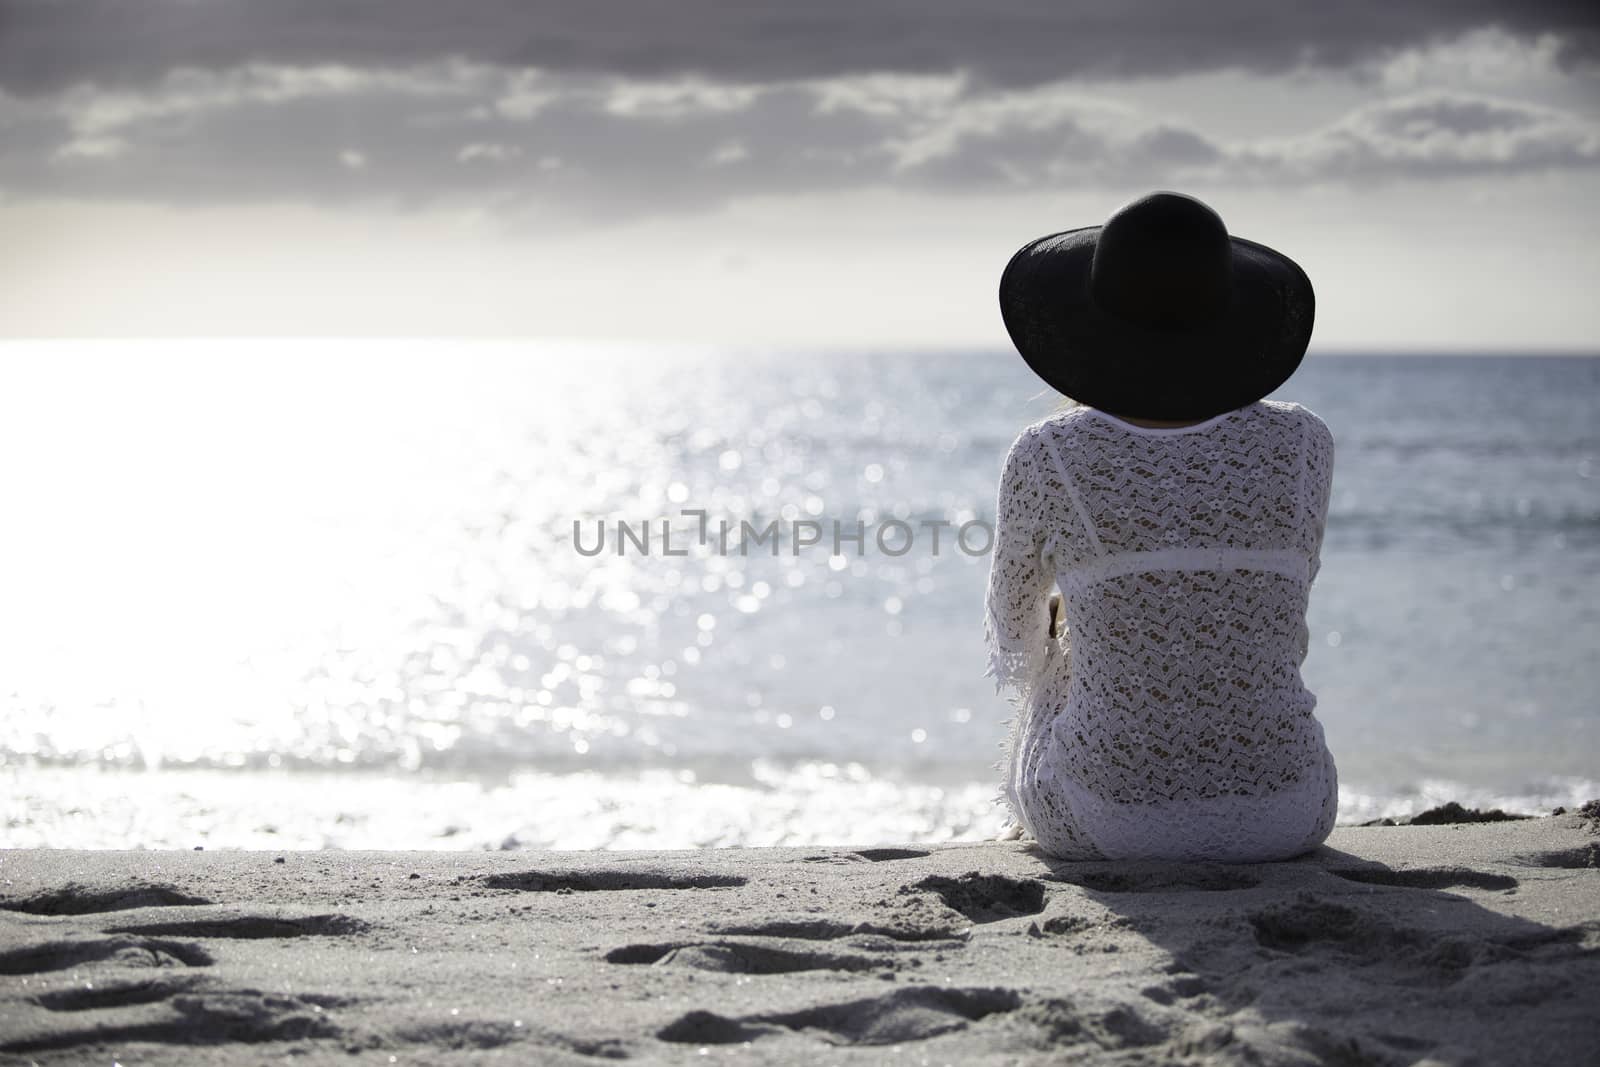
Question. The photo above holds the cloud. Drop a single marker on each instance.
(584, 112)
(1431, 134)
(595, 147)
(1032, 137)
(91, 147)
(1483, 57)
(488, 150)
(50, 45)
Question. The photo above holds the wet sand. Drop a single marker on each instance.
(1456, 944)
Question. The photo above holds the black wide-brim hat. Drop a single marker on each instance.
(1159, 313)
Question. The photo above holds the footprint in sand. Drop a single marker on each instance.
(889, 855)
(734, 957)
(868, 855)
(1065, 1022)
(95, 996)
(1425, 877)
(834, 929)
(122, 951)
(74, 899)
(251, 927)
(607, 881)
(1309, 925)
(985, 898)
(912, 1014)
(242, 1017)
(1572, 859)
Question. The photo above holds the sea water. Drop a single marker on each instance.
(344, 593)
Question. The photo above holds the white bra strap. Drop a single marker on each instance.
(1072, 492)
(1285, 561)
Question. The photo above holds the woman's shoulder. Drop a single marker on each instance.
(1028, 447)
(1297, 414)
(1057, 420)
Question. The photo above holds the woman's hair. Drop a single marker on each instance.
(1065, 402)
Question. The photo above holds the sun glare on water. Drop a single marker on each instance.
(190, 525)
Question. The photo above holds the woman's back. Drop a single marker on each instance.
(1172, 719)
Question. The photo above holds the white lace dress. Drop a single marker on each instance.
(1170, 720)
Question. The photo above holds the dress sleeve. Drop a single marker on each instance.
(1319, 475)
(1017, 613)
(1319, 491)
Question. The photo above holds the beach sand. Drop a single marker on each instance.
(1469, 944)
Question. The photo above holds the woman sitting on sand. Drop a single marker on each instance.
(1182, 517)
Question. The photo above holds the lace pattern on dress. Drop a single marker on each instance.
(1185, 561)
(1016, 620)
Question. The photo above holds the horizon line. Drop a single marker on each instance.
(728, 344)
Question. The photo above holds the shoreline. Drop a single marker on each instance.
(1461, 943)
(779, 805)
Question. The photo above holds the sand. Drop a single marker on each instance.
(1454, 944)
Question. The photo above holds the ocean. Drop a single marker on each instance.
(344, 593)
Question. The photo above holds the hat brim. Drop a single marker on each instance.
(1125, 368)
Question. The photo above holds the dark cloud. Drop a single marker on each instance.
(576, 113)
(48, 45)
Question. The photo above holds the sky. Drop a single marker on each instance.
(839, 172)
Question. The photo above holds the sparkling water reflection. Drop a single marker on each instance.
(322, 555)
